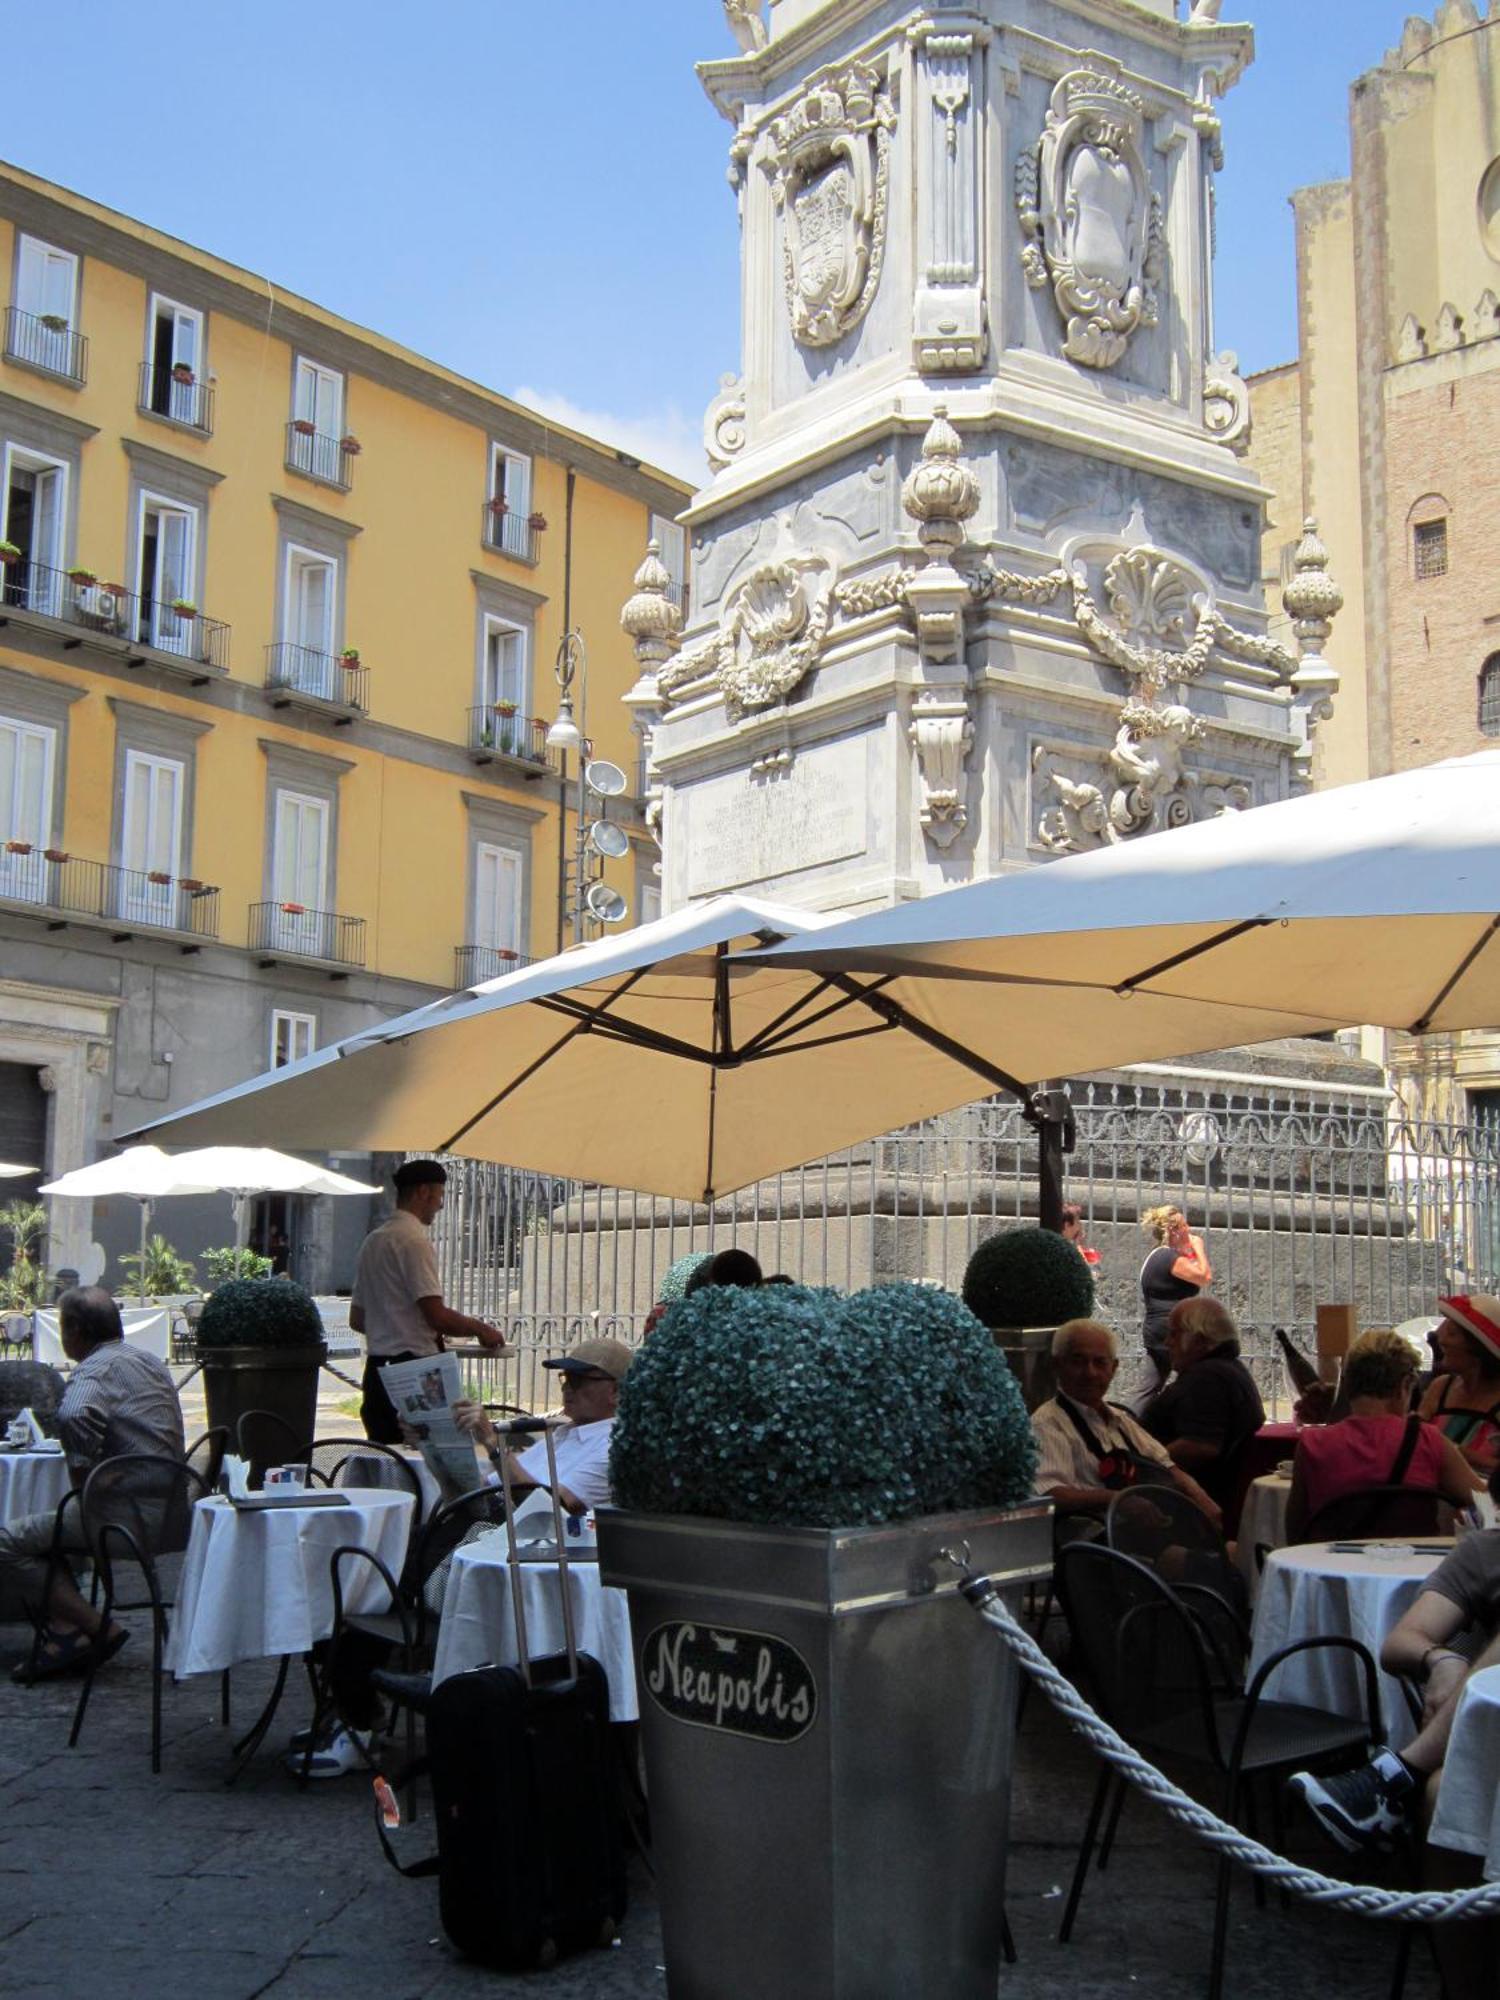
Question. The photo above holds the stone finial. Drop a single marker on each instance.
(650, 617)
(1411, 340)
(746, 24)
(1448, 333)
(941, 493)
(1487, 315)
(1313, 600)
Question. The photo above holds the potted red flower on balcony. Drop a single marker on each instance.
(9, 553)
(499, 505)
(536, 522)
(350, 445)
(159, 877)
(54, 322)
(184, 607)
(191, 884)
(294, 909)
(18, 846)
(84, 578)
(350, 657)
(54, 854)
(304, 427)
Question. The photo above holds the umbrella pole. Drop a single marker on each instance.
(1049, 1112)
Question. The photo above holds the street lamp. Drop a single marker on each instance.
(582, 894)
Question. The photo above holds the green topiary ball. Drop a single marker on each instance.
(1027, 1277)
(259, 1312)
(674, 1285)
(796, 1407)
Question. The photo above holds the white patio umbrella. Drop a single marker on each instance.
(8, 1172)
(638, 1061)
(1375, 903)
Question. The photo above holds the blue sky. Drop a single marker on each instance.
(532, 191)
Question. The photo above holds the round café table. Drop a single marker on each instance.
(31, 1482)
(1468, 1802)
(478, 1626)
(1326, 1590)
(256, 1585)
(1262, 1524)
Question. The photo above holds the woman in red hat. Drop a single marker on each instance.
(1464, 1400)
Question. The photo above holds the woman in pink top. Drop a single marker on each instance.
(1364, 1448)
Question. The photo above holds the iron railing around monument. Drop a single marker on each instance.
(1306, 1194)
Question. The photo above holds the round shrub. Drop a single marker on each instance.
(1027, 1277)
(796, 1407)
(259, 1312)
(674, 1285)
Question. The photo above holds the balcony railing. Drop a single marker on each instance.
(473, 963)
(288, 930)
(318, 456)
(492, 734)
(326, 680)
(511, 533)
(179, 397)
(50, 880)
(109, 611)
(42, 340)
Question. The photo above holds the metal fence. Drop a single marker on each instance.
(1306, 1194)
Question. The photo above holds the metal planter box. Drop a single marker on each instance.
(828, 1731)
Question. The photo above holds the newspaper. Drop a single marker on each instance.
(423, 1393)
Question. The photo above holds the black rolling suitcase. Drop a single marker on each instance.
(529, 1862)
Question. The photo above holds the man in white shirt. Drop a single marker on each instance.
(1088, 1445)
(591, 1376)
(397, 1303)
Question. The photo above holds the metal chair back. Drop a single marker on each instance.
(206, 1454)
(263, 1438)
(1377, 1511)
(328, 1462)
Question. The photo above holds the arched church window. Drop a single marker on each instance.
(1489, 696)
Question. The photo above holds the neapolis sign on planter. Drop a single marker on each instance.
(744, 1682)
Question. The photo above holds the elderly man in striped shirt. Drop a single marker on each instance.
(118, 1399)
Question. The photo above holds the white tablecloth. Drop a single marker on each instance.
(255, 1586)
(145, 1326)
(1311, 1592)
(1468, 1805)
(1262, 1521)
(31, 1482)
(478, 1624)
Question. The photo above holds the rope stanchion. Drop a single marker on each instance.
(1411, 1906)
(352, 1380)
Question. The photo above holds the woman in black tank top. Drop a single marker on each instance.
(1178, 1268)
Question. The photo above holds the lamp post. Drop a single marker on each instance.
(565, 735)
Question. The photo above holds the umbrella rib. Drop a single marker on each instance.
(630, 1032)
(1420, 1027)
(586, 1019)
(781, 1048)
(1194, 951)
(896, 1016)
(772, 1034)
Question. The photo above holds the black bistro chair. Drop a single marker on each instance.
(1160, 1526)
(328, 1464)
(137, 1513)
(1155, 1673)
(263, 1438)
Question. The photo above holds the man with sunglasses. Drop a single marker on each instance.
(591, 1376)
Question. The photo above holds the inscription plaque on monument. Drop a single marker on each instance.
(745, 826)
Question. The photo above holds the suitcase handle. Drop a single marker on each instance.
(526, 1425)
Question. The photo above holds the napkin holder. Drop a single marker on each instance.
(25, 1433)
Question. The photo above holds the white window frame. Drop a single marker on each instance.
(167, 631)
(512, 862)
(511, 481)
(44, 592)
(301, 1031)
(182, 406)
(22, 877)
(141, 900)
(48, 348)
(293, 931)
(312, 669)
(492, 627)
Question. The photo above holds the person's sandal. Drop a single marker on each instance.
(57, 1654)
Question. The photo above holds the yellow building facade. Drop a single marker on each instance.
(280, 607)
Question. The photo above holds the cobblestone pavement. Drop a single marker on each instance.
(115, 1882)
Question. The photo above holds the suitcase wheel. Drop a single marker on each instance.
(546, 1954)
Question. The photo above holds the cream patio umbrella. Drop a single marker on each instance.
(1376, 903)
(647, 1060)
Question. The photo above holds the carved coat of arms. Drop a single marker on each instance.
(1092, 223)
(771, 632)
(829, 161)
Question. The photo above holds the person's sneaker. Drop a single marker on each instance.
(300, 1738)
(337, 1752)
(1366, 1808)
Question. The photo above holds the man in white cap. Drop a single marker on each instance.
(591, 1376)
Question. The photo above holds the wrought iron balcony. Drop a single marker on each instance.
(177, 638)
(176, 394)
(289, 930)
(47, 342)
(510, 533)
(303, 676)
(474, 963)
(493, 733)
(62, 885)
(316, 455)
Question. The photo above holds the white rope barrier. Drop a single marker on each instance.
(1412, 1906)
